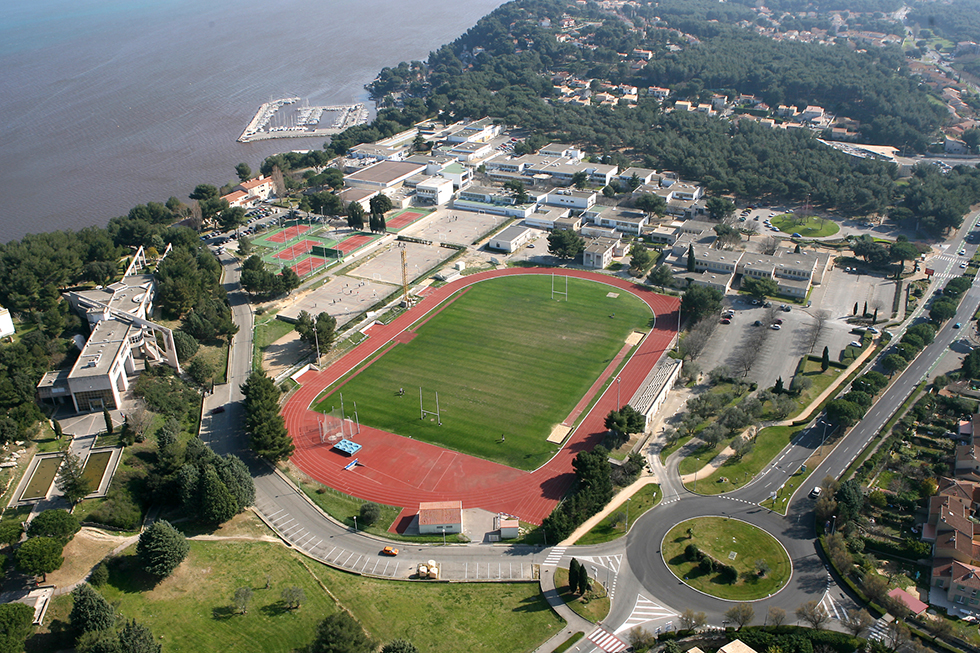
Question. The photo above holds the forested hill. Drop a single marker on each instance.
(956, 21)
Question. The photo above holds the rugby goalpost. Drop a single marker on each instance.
(558, 291)
(423, 412)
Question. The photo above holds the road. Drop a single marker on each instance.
(643, 591)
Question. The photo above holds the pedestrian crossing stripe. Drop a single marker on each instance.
(645, 610)
(607, 641)
(554, 557)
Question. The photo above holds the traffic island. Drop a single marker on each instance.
(726, 558)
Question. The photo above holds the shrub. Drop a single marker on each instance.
(99, 575)
(118, 511)
(369, 513)
(185, 344)
(692, 553)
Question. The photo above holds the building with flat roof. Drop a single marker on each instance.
(510, 239)
(562, 150)
(571, 199)
(599, 252)
(435, 190)
(547, 218)
(99, 376)
(383, 175)
(492, 200)
(437, 517)
(624, 220)
(360, 195)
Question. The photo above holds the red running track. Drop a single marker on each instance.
(401, 471)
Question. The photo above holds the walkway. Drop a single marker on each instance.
(396, 470)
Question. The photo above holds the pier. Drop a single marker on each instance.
(304, 123)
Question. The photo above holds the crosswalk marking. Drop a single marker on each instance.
(554, 556)
(607, 641)
(831, 606)
(879, 631)
(645, 610)
(612, 562)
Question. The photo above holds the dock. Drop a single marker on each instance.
(305, 123)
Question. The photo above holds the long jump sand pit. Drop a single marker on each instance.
(386, 266)
(462, 227)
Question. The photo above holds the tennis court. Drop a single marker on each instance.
(354, 242)
(287, 234)
(308, 265)
(296, 251)
(401, 220)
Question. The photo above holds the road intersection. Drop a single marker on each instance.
(643, 591)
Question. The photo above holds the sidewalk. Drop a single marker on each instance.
(615, 503)
(573, 622)
(719, 460)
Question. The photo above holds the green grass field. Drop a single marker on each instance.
(614, 525)
(192, 609)
(768, 443)
(506, 359)
(814, 227)
(719, 537)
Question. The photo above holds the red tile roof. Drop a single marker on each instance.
(915, 605)
(440, 512)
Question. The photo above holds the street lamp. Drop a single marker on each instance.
(833, 526)
(443, 529)
(628, 499)
(618, 402)
(355, 523)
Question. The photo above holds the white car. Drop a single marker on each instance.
(855, 343)
(775, 327)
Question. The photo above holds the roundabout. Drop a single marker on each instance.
(726, 558)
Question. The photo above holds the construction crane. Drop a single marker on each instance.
(404, 279)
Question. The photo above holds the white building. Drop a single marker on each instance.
(599, 252)
(6, 324)
(561, 150)
(630, 222)
(436, 190)
(437, 517)
(260, 188)
(489, 200)
(571, 199)
(100, 374)
(510, 239)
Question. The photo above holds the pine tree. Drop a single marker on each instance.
(825, 359)
(865, 312)
(778, 388)
(90, 611)
(573, 574)
(583, 579)
(161, 548)
(108, 420)
(855, 308)
(690, 258)
(71, 479)
(217, 503)
(874, 320)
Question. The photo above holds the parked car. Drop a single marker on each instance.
(777, 321)
(855, 343)
(217, 409)
(757, 323)
(726, 320)
(775, 327)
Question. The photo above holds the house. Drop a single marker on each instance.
(645, 175)
(437, 517)
(571, 199)
(645, 55)
(598, 252)
(436, 190)
(659, 92)
(239, 198)
(6, 323)
(955, 146)
(262, 188)
(811, 113)
(510, 239)
(683, 105)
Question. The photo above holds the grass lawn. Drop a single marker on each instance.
(192, 610)
(702, 456)
(266, 333)
(819, 381)
(769, 442)
(680, 442)
(505, 358)
(719, 537)
(814, 227)
(614, 525)
(593, 608)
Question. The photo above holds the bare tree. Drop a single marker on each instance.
(750, 229)
(691, 620)
(857, 621)
(699, 335)
(740, 614)
(776, 616)
(816, 328)
(813, 613)
(770, 245)
(898, 634)
(140, 420)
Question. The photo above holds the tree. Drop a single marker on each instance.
(691, 620)
(58, 524)
(650, 203)
(573, 574)
(825, 359)
(243, 171)
(893, 363)
(583, 579)
(204, 192)
(369, 513)
(813, 613)
(901, 251)
(340, 633)
(762, 567)
(691, 261)
(517, 188)
(263, 423)
(844, 412)
(380, 204)
(942, 309)
(202, 371)
(320, 335)
(740, 614)
(661, 276)
(293, 597)
(565, 244)
(236, 477)
(90, 611)
(700, 301)
(241, 599)
(71, 479)
(355, 216)
(719, 207)
(640, 259)
(16, 625)
(135, 637)
(10, 532)
(580, 179)
(760, 287)
(850, 500)
(857, 621)
(776, 616)
(161, 548)
(108, 421)
(399, 646)
(39, 556)
(232, 218)
(217, 505)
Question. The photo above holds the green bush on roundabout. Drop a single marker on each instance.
(726, 558)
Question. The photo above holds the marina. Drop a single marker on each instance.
(280, 119)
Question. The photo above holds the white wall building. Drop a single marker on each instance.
(437, 191)
(510, 239)
(571, 199)
(437, 517)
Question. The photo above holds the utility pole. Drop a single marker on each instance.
(404, 280)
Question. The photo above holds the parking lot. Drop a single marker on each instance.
(782, 349)
(841, 289)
